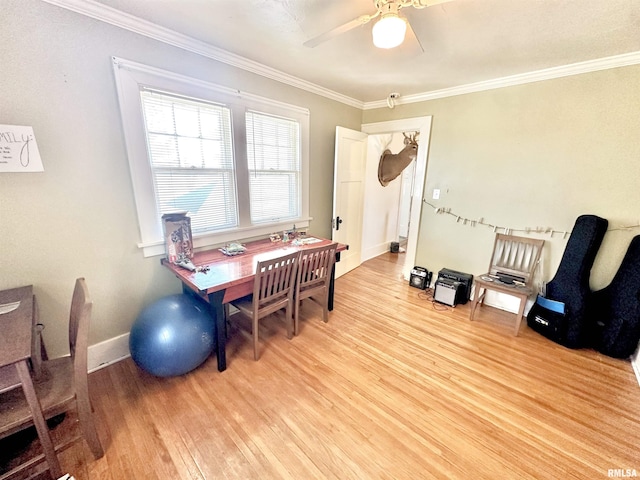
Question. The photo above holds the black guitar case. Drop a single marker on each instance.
(570, 286)
(614, 311)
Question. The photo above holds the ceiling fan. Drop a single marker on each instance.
(388, 31)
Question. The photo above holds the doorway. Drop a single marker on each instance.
(404, 208)
(414, 199)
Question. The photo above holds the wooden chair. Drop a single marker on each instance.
(314, 275)
(511, 271)
(272, 291)
(61, 385)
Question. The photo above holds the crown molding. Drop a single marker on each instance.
(632, 58)
(123, 20)
(134, 24)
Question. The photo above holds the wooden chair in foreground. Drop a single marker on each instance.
(272, 291)
(61, 385)
(314, 275)
(511, 271)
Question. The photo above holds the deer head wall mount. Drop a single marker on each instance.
(392, 164)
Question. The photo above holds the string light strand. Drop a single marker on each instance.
(509, 230)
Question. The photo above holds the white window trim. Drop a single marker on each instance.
(130, 77)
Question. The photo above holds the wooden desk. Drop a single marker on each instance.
(230, 278)
(16, 327)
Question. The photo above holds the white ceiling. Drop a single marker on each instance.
(464, 41)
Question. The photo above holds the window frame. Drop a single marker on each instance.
(130, 78)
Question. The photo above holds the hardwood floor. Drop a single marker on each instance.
(392, 387)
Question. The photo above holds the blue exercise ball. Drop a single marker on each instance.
(172, 336)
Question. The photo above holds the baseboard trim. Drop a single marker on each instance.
(508, 303)
(372, 252)
(108, 352)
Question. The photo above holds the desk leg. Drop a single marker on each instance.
(38, 419)
(217, 311)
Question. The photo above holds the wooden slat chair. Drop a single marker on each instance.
(314, 275)
(273, 290)
(511, 271)
(61, 385)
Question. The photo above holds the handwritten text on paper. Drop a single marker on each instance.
(18, 150)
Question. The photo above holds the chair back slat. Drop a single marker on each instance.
(80, 310)
(79, 319)
(274, 278)
(515, 255)
(314, 278)
(315, 266)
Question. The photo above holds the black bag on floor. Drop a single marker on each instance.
(614, 311)
(570, 285)
(548, 318)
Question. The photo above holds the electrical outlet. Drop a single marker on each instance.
(436, 193)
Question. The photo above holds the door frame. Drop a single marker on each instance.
(423, 125)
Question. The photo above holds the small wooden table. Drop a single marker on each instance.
(16, 327)
(229, 278)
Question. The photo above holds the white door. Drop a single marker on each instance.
(348, 195)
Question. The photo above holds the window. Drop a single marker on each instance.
(237, 163)
(189, 146)
(274, 167)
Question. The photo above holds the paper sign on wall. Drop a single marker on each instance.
(18, 150)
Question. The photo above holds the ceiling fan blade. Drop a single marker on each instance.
(412, 33)
(430, 3)
(356, 22)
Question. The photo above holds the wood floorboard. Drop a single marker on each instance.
(394, 386)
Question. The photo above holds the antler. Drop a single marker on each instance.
(412, 138)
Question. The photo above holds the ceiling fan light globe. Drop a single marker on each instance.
(389, 31)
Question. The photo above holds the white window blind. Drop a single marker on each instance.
(191, 156)
(273, 153)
